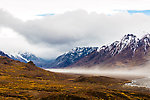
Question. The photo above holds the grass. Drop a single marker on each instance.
(28, 82)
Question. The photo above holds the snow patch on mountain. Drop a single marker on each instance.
(26, 57)
(72, 56)
(17, 56)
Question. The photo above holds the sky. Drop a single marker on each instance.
(48, 28)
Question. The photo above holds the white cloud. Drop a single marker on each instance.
(61, 32)
(10, 42)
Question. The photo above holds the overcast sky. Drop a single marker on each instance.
(49, 28)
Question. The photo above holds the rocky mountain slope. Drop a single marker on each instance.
(130, 51)
(71, 57)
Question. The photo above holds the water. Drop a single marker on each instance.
(143, 82)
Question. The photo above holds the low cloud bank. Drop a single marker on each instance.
(131, 73)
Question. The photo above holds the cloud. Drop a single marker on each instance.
(76, 28)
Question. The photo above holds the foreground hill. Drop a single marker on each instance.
(10, 67)
(25, 81)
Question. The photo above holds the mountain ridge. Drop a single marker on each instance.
(130, 50)
(25, 57)
(71, 57)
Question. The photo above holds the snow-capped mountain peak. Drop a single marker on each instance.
(3, 54)
(72, 56)
(26, 57)
(129, 50)
(129, 39)
(17, 56)
(125, 50)
(146, 41)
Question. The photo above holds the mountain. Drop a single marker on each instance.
(13, 68)
(71, 57)
(3, 54)
(26, 57)
(129, 51)
(40, 62)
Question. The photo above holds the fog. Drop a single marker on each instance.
(138, 75)
(125, 72)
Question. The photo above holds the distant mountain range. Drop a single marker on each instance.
(26, 57)
(71, 57)
(129, 51)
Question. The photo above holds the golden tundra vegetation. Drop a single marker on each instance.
(21, 81)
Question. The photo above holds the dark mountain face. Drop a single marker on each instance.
(129, 51)
(71, 57)
(3, 54)
(40, 62)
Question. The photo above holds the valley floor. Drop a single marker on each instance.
(74, 87)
